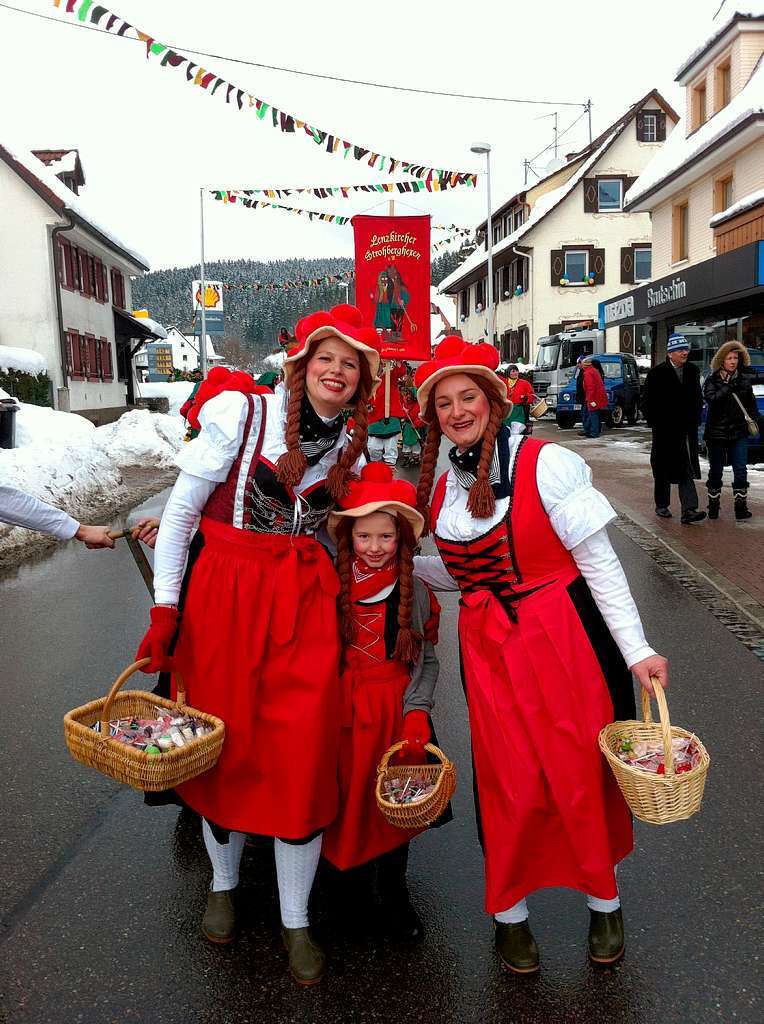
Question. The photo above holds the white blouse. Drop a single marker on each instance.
(579, 515)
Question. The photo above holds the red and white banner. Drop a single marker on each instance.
(392, 282)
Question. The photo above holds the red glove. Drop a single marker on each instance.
(156, 642)
(416, 732)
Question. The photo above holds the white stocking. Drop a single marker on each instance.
(295, 870)
(515, 915)
(605, 906)
(224, 857)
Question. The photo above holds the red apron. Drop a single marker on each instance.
(259, 647)
(550, 810)
(372, 722)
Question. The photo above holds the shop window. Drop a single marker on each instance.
(680, 232)
(699, 109)
(576, 265)
(723, 193)
(722, 84)
(609, 194)
(643, 264)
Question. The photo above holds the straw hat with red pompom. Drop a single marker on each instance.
(377, 491)
(218, 380)
(344, 322)
(455, 355)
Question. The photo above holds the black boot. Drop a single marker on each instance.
(714, 502)
(399, 921)
(741, 505)
(606, 940)
(516, 947)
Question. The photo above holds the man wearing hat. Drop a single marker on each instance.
(673, 404)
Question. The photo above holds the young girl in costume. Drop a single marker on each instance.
(254, 629)
(388, 623)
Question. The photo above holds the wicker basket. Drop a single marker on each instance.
(658, 799)
(148, 772)
(538, 409)
(423, 813)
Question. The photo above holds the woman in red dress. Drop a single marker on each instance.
(388, 622)
(549, 637)
(254, 627)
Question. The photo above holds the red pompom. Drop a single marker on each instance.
(310, 323)
(377, 473)
(218, 374)
(450, 347)
(348, 314)
(484, 355)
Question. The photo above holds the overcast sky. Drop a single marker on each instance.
(149, 140)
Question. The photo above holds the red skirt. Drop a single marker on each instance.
(550, 808)
(372, 722)
(259, 647)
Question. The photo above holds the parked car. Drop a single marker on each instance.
(622, 386)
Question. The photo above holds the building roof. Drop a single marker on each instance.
(717, 39)
(586, 159)
(61, 162)
(44, 181)
(682, 153)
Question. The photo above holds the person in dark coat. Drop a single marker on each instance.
(673, 404)
(729, 394)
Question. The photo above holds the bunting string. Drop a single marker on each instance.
(343, 191)
(100, 16)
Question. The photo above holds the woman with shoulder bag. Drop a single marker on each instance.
(732, 418)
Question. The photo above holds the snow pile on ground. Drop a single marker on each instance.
(24, 359)
(38, 425)
(93, 476)
(176, 391)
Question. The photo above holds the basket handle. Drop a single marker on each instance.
(665, 722)
(120, 682)
(429, 747)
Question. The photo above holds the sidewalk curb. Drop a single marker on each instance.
(743, 601)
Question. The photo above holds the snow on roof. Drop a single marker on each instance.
(62, 161)
(47, 177)
(746, 203)
(543, 205)
(153, 325)
(749, 11)
(679, 149)
(25, 360)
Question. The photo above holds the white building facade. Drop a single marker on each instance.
(67, 289)
(565, 244)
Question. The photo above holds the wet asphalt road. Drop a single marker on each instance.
(101, 896)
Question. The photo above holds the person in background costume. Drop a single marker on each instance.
(256, 638)
(520, 394)
(549, 637)
(413, 425)
(595, 396)
(385, 431)
(388, 622)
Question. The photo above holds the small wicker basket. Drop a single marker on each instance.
(657, 799)
(539, 409)
(148, 772)
(423, 813)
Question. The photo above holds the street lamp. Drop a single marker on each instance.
(485, 148)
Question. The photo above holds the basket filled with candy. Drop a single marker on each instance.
(414, 796)
(660, 769)
(143, 740)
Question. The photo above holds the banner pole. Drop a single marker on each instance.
(203, 290)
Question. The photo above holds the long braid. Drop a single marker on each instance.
(409, 642)
(481, 502)
(292, 463)
(339, 476)
(429, 462)
(344, 571)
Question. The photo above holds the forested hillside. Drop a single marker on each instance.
(253, 317)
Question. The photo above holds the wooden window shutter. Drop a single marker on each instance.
(91, 357)
(627, 265)
(69, 364)
(75, 263)
(107, 368)
(590, 195)
(75, 347)
(105, 279)
(661, 127)
(640, 126)
(597, 264)
(557, 266)
(626, 338)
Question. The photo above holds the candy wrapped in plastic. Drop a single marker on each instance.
(649, 756)
(156, 735)
(408, 790)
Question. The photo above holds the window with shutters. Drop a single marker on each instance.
(643, 263)
(650, 128)
(92, 368)
(65, 263)
(680, 232)
(576, 265)
(106, 364)
(609, 194)
(117, 288)
(75, 355)
(722, 84)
